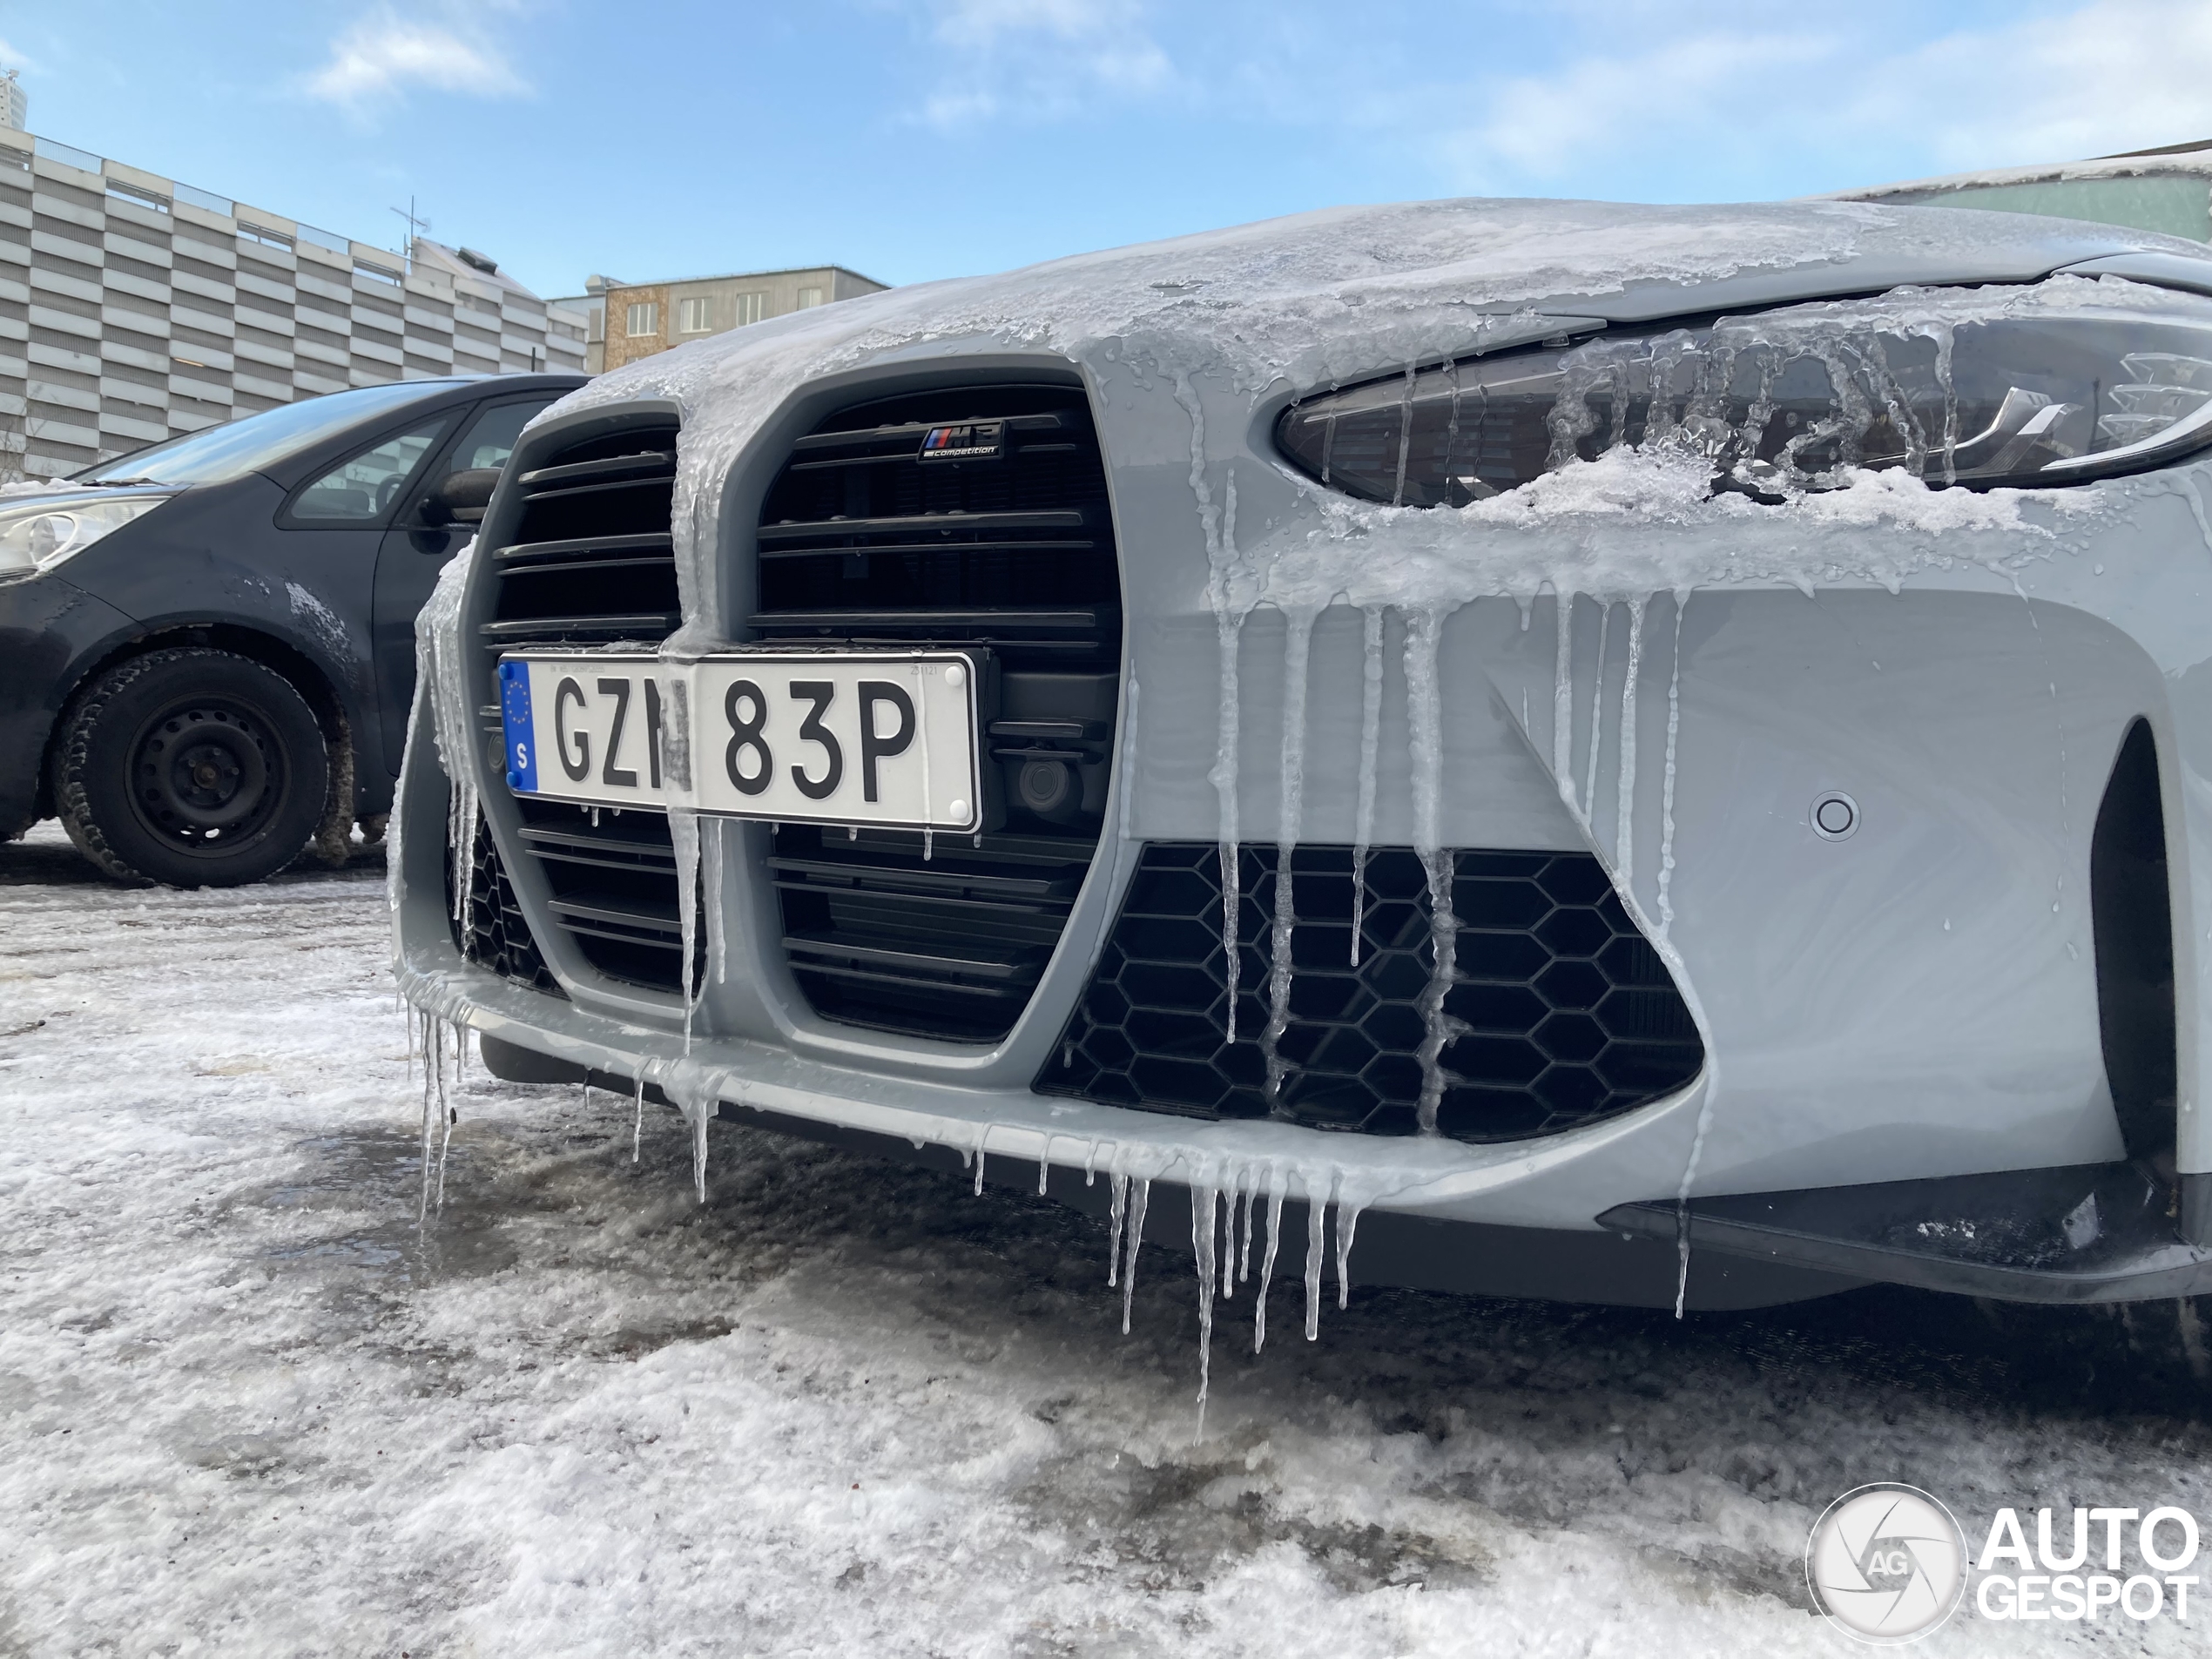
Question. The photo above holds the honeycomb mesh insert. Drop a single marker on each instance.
(1560, 1012)
(497, 937)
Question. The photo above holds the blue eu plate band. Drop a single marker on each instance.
(514, 710)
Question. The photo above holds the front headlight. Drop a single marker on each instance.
(2037, 385)
(38, 536)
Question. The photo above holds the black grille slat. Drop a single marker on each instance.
(863, 544)
(1056, 544)
(643, 467)
(641, 545)
(964, 524)
(1562, 1013)
(653, 625)
(592, 561)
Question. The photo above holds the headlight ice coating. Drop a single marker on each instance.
(2066, 379)
(38, 536)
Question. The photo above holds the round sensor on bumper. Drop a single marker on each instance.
(1835, 816)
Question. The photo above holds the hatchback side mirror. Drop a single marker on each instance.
(461, 497)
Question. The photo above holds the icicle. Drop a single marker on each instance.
(703, 1116)
(638, 1122)
(1298, 641)
(1204, 1200)
(1228, 1256)
(1666, 789)
(432, 1088)
(1943, 336)
(1597, 711)
(1119, 1185)
(1371, 685)
(1439, 1028)
(1425, 705)
(1405, 436)
(446, 1109)
(1129, 762)
(717, 944)
(1135, 1230)
(1044, 1165)
(979, 1164)
(1347, 1224)
(684, 832)
(1245, 1246)
(1625, 789)
(1219, 529)
(1277, 1180)
(1316, 1211)
(1563, 706)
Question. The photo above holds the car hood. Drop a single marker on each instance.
(1236, 322)
(1345, 293)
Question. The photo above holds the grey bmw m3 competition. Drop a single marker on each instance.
(1647, 755)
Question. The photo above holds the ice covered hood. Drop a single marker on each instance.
(1319, 295)
(1234, 319)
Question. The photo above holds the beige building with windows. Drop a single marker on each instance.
(634, 320)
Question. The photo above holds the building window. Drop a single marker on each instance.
(644, 319)
(809, 297)
(694, 316)
(751, 307)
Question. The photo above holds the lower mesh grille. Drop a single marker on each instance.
(497, 936)
(1561, 1012)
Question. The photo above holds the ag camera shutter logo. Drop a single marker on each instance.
(1887, 1563)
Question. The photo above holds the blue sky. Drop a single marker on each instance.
(916, 138)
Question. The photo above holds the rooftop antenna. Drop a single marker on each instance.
(415, 225)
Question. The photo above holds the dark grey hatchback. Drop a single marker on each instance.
(207, 647)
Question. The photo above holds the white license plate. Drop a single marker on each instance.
(885, 739)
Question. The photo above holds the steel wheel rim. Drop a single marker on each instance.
(207, 775)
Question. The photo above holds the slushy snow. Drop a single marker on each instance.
(248, 1404)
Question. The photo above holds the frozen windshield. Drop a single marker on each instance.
(223, 452)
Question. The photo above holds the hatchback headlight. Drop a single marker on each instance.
(2062, 381)
(38, 534)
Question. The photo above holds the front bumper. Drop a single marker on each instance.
(1920, 1001)
(48, 629)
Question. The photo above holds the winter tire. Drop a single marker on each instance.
(191, 767)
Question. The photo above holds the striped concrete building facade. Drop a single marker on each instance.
(133, 308)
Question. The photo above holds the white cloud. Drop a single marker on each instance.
(2115, 75)
(11, 58)
(384, 55)
(1832, 99)
(1536, 128)
(1041, 57)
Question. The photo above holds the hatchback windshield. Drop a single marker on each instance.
(223, 452)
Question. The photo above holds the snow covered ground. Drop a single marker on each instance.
(247, 1405)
